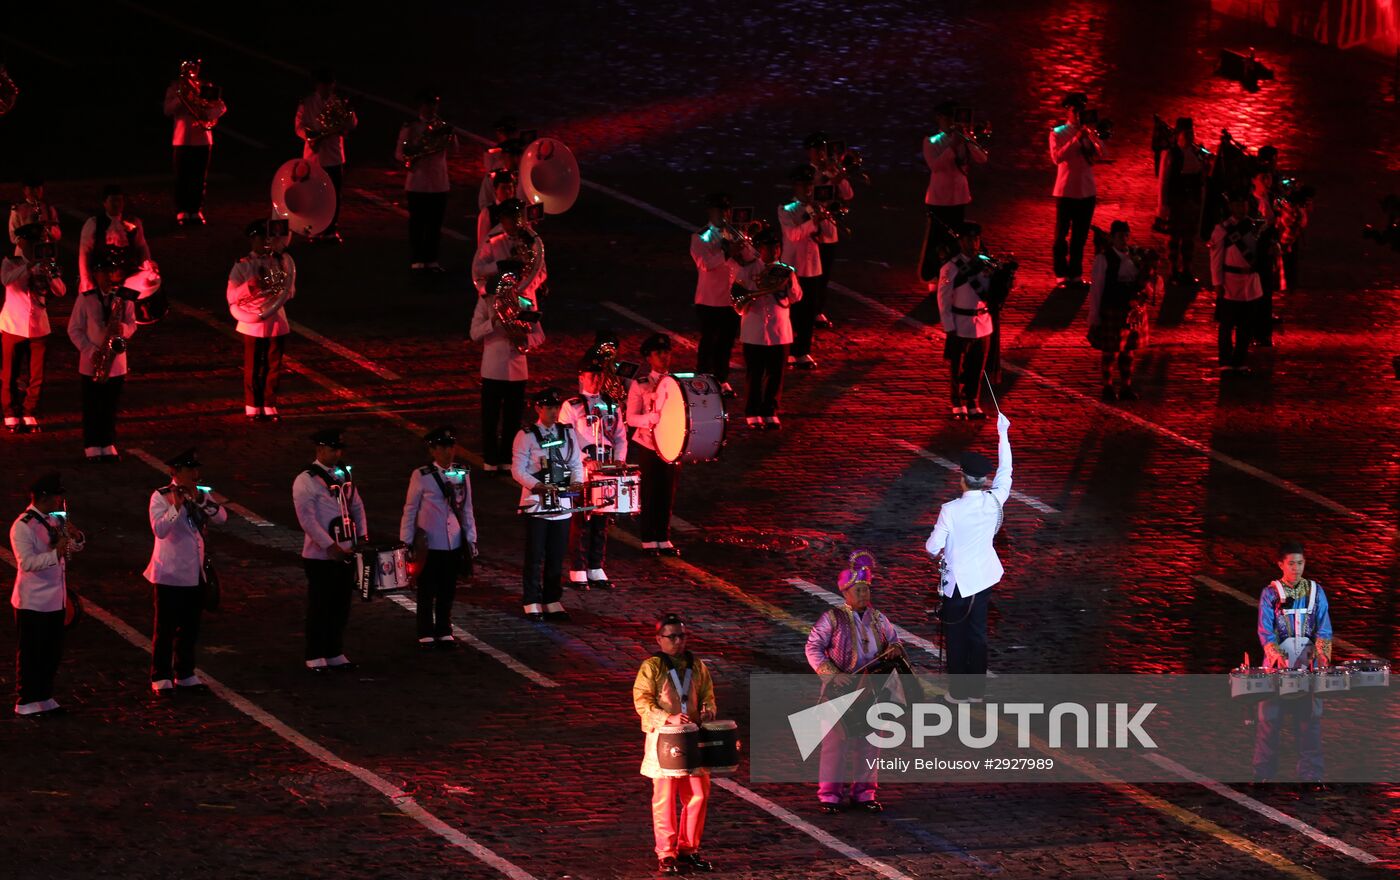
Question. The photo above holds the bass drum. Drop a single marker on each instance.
(151, 303)
(693, 421)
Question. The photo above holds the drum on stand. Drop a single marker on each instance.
(615, 488)
(1253, 682)
(381, 568)
(1369, 673)
(1330, 680)
(1293, 683)
(719, 747)
(678, 749)
(692, 423)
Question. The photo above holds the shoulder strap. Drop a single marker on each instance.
(447, 494)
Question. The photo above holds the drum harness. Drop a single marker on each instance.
(682, 685)
(341, 528)
(1294, 616)
(554, 471)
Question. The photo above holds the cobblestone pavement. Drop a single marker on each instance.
(1133, 505)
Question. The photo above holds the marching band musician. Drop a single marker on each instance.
(507, 250)
(503, 189)
(41, 544)
(103, 319)
(600, 423)
(547, 463)
(765, 328)
(326, 147)
(962, 539)
(712, 252)
(505, 156)
(1295, 630)
(1074, 148)
(506, 128)
(803, 230)
(332, 516)
(257, 300)
(179, 512)
(659, 477)
(193, 140)
(1181, 190)
(964, 283)
(843, 640)
(24, 329)
(34, 210)
(948, 153)
(427, 182)
(673, 687)
(439, 524)
(1239, 245)
(829, 172)
(1119, 290)
(505, 369)
(114, 231)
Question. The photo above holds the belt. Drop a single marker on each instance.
(971, 313)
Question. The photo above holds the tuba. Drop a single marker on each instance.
(515, 311)
(613, 386)
(273, 289)
(774, 279)
(9, 92)
(549, 175)
(188, 88)
(436, 137)
(302, 194)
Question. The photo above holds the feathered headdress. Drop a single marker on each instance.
(861, 570)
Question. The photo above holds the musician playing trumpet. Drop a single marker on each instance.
(805, 226)
(829, 170)
(259, 287)
(714, 250)
(765, 291)
(1181, 192)
(103, 319)
(195, 107)
(24, 327)
(843, 641)
(41, 541)
(423, 147)
(949, 153)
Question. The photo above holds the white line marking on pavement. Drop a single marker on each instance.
(1264, 810)
(681, 525)
(654, 327)
(904, 635)
(349, 354)
(507, 660)
(401, 601)
(809, 829)
(403, 212)
(225, 131)
(234, 506)
(1253, 601)
(939, 460)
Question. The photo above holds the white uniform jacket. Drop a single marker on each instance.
(1074, 172)
(947, 157)
(716, 270)
(961, 288)
(247, 271)
(966, 527)
(87, 327)
(177, 559)
(830, 232)
(443, 518)
(645, 398)
(318, 511)
(329, 150)
(587, 413)
(187, 132)
(800, 233)
(24, 313)
(40, 572)
(428, 174)
(766, 320)
(491, 251)
(500, 359)
(529, 457)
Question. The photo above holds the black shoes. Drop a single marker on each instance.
(557, 616)
(534, 616)
(1108, 395)
(870, 807)
(600, 585)
(668, 866)
(695, 861)
(1128, 393)
(831, 809)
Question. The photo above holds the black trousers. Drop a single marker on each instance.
(764, 365)
(546, 542)
(437, 589)
(262, 369)
(425, 215)
(1238, 324)
(965, 642)
(502, 405)
(828, 254)
(40, 649)
(1264, 311)
(191, 172)
(337, 176)
(719, 327)
(659, 479)
(178, 612)
(804, 314)
(1072, 220)
(23, 373)
(330, 586)
(967, 358)
(943, 223)
(589, 535)
(100, 401)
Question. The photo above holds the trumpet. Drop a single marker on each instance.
(436, 137)
(9, 92)
(188, 89)
(76, 539)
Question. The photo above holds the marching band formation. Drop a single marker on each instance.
(616, 446)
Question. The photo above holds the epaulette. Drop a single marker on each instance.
(426, 470)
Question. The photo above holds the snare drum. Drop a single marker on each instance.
(678, 749)
(1293, 683)
(1330, 680)
(381, 568)
(719, 747)
(1253, 682)
(692, 419)
(1368, 673)
(615, 493)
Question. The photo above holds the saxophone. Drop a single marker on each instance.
(113, 343)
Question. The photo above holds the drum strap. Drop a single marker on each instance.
(449, 495)
(1296, 615)
(681, 684)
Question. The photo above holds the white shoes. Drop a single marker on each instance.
(162, 685)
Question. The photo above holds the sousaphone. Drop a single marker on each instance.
(549, 175)
(302, 193)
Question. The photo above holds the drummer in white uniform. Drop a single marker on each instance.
(1295, 629)
(547, 463)
(438, 522)
(659, 477)
(601, 426)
